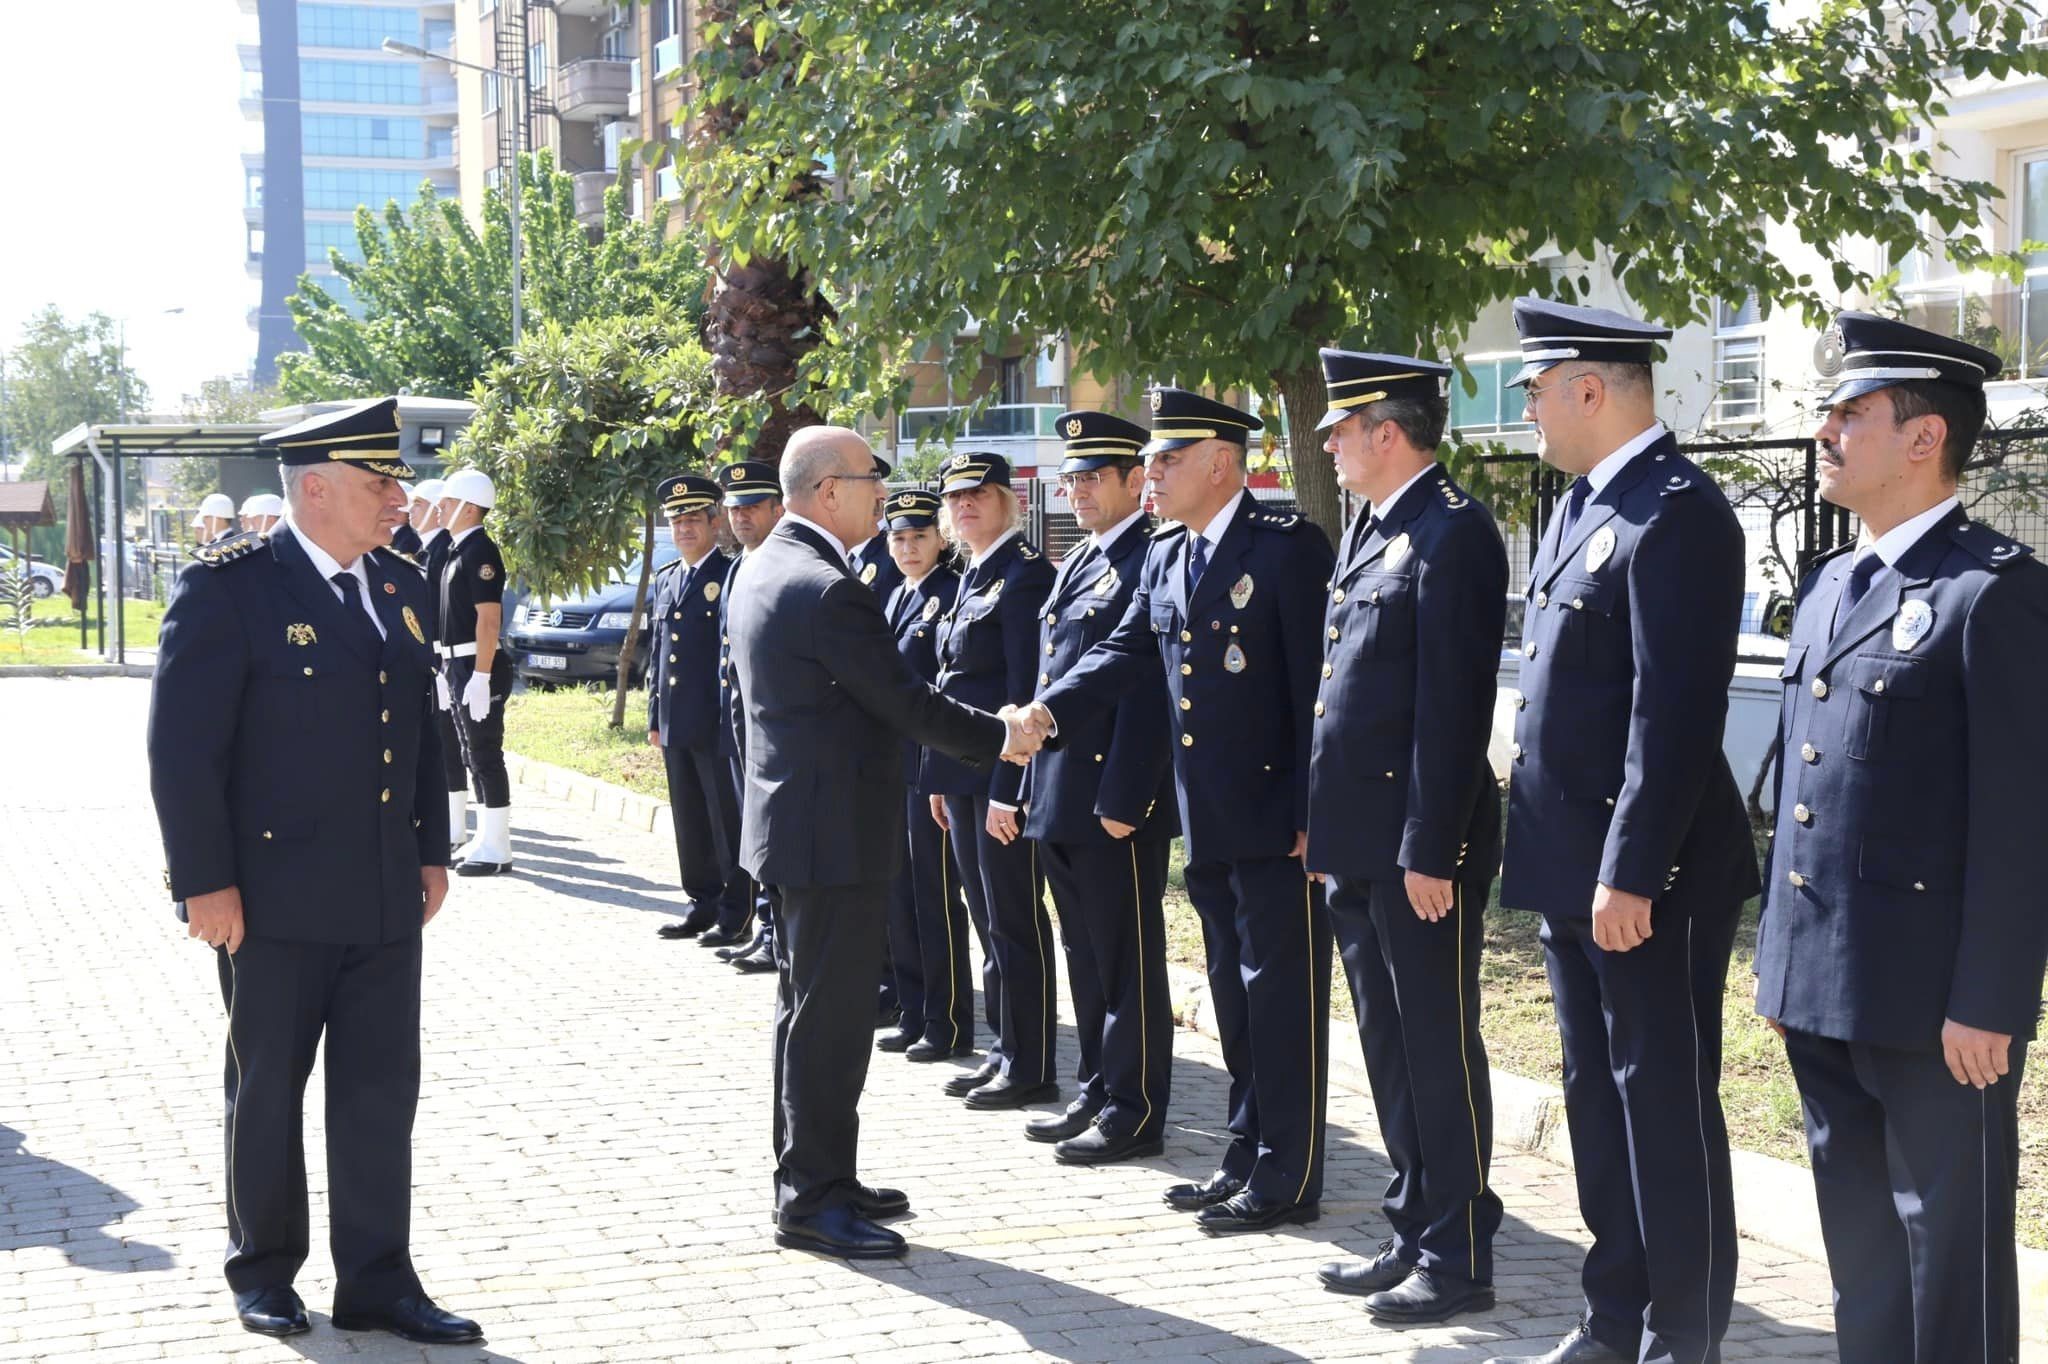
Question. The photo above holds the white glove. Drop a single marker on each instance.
(476, 695)
(441, 697)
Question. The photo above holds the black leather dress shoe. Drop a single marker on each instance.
(876, 1203)
(1374, 1274)
(1078, 1118)
(273, 1311)
(1099, 1147)
(1195, 1197)
(755, 961)
(1427, 1297)
(715, 936)
(697, 921)
(1002, 1093)
(960, 1085)
(898, 1039)
(928, 1050)
(415, 1319)
(741, 949)
(1577, 1348)
(1247, 1211)
(842, 1232)
(888, 1018)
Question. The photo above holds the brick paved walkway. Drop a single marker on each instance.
(592, 1147)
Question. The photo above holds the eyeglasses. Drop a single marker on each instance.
(1530, 392)
(1168, 460)
(1087, 479)
(869, 477)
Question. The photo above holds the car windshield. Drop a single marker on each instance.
(663, 554)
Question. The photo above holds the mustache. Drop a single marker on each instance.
(1829, 451)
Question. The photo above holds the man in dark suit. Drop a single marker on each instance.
(1230, 603)
(1627, 834)
(828, 703)
(1404, 822)
(297, 782)
(1101, 808)
(1902, 940)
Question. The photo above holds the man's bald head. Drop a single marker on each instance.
(827, 477)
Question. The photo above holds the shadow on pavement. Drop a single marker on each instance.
(53, 1204)
(325, 1345)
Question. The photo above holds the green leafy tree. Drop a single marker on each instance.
(62, 374)
(431, 297)
(1208, 190)
(221, 399)
(575, 429)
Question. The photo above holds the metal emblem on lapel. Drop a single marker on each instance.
(412, 623)
(487, 573)
(1106, 584)
(931, 608)
(867, 575)
(1599, 548)
(1911, 625)
(995, 589)
(1397, 550)
(301, 634)
(1233, 659)
(711, 592)
(1240, 593)
(391, 589)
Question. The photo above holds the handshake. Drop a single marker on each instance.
(1030, 726)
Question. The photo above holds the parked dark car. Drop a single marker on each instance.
(579, 641)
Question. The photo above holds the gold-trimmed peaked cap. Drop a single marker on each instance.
(1095, 439)
(1553, 333)
(1182, 418)
(971, 469)
(364, 434)
(911, 509)
(1358, 378)
(1878, 352)
(747, 481)
(687, 493)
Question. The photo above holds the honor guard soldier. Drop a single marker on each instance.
(683, 718)
(928, 918)
(262, 511)
(296, 782)
(870, 560)
(1231, 602)
(1626, 831)
(432, 556)
(1902, 938)
(215, 519)
(472, 589)
(404, 538)
(1404, 821)
(1102, 811)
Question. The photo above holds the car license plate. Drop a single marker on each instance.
(547, 661)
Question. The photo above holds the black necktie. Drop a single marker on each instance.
(354, 606)
(1573, 505)
(1198, 559)
(1362, 530)
(1860, 573)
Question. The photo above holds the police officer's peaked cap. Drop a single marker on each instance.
(688, 493)
(911, 509)
(748, 481)
(1878, 352)
(364, 434)
(1096, 439)
(1358, 378)
(1182, 418)
(1553, 333)
(971, 469)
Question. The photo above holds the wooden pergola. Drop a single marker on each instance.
(24, 506)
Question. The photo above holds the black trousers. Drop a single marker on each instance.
(1916, 1176)
(1112, 925)
(760, 899)
(1266, 935)
(1642, 1092)
(704, 808)
(483, 741)
(827, 936)
(281, 998)
(1415, 991)
(452, 768)
(928, 935)
(1016, 974)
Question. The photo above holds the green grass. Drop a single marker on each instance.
(52, 636)
(571, 727)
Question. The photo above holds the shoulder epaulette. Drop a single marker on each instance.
(1837, 552)
(1680, 482)
(1027, 550)
(669, 567)
(1277, 520)
(398, 554)
(1169, 530)
(237, 546)
(1986, 545)
(1454, 496)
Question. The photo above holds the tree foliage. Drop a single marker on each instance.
(62, 374)
(1208, 190)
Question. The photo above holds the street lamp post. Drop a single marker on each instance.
(508, 107)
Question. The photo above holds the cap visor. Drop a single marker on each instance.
(1160, 447)
(1530, 371)
(1845, 389)
(747, 499)
(1332, 417)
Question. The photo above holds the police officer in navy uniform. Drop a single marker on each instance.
(870, 560)
(1404, 822)
(1626, 831)
(1902, 940)
(683, 710)
(294, 768)
(1101, 807)
(1230, 601)
(432, 558)
(472, 607)
(927, 917)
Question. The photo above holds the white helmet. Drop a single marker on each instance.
(215, 504)
(428, 490)
(263, 504)
(472, 486)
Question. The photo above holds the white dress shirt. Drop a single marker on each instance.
(1893, 544)
(327, 566)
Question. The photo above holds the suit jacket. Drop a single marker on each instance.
(829, 701)
(989, 654)
(1628, 647)
(874, 565)
(683, 652)
(1242, 658)
(291, 752)
(732, 719)
(406, 540)
(1398, 776)
(1112, 763)
(913, 610)
(1905, 886)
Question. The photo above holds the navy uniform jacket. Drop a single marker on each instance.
(290, 751)
(1905, 878)
(913, 610)
(1628, 647)
(732, 714)
(406, 540)
(1111, 763)
(1242, 660)
(989, 654)
(874, 565)
(682, 677)
(432, 560)
(1398, 776)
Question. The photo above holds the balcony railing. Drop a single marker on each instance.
(1029, 420)
(2010, 320)
(593, 86)
(590, 187)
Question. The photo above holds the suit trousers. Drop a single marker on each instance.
(281, 998)
(935, 934)
(1415, 992)
(1916, 1176)
(1016, 974)
(1112, 925)
(483, 741)
(1266, 935)
(704, 808)
(1642, 1092)
(760, 899)
(827, 936)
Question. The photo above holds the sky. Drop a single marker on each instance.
(122, 160)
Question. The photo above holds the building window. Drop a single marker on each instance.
(1738, 363)
(491, 94)
(1010, 380)
(255, 242)
(323, 236)
(494, 176)
(339, 191)
(396, 139)
(252, 188)
(1494, 408)
(331, 82)
(441, 142)
(356, 26)
(537, 66)
(438, 35)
